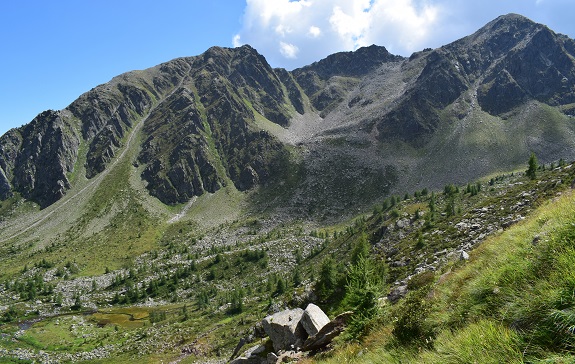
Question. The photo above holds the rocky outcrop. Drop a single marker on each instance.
(293, 332)
(203, 136)
(10, 144)
(107, 113)
(177, 151)
(289, 329)
(328, 81)
(313, 319)
(543, 70)
(37, 158)
(5, 187)
(285, 330)
(418, 113)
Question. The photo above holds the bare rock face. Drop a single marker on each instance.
(313, 319)
(284, 329)
(37, 158)
(202, 136)
(5, 188)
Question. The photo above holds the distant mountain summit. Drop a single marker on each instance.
(339, 133)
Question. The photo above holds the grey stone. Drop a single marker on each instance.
(272, 358)
(313, 319)
(284, 329)
(250, 360)
(397, 293)
(402, 223)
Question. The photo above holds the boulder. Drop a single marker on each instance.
(255, 355)
(313, 319)
(285, 330)
(397, 293)
(327, 333)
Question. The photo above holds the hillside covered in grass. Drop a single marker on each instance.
(512, 301)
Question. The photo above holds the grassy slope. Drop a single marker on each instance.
(511, 302)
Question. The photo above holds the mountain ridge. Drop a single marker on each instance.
(216, 97)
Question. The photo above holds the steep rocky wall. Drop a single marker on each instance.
(37, 158)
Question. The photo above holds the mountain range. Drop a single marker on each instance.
(356, 125)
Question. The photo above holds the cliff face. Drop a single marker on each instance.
(204, 136)
(200, 116)
(507, 63)
(36, 158)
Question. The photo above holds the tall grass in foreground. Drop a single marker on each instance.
(512, 302)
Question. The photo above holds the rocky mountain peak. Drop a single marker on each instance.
(356, 63)
(204, 121)
(37, 157)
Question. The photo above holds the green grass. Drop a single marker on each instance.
(482, 342)
(226, 205)
(511, 302)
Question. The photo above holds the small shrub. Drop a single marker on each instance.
(411, 326)
(421, 280)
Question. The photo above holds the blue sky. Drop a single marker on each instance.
(53, 51)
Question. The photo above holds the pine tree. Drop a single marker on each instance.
(296, 278)
(281, 286)
(532, 169)
(365, 281)
(185, 313)
(77, 302)
(327, 278)
(360, 249)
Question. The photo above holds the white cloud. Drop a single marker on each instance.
(410, 24)
(294, 33)
(289, 50)
(283, 30)
(314, 31)
(236, 41)
(351, 27)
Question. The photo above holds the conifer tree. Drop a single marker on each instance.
(532, 167)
